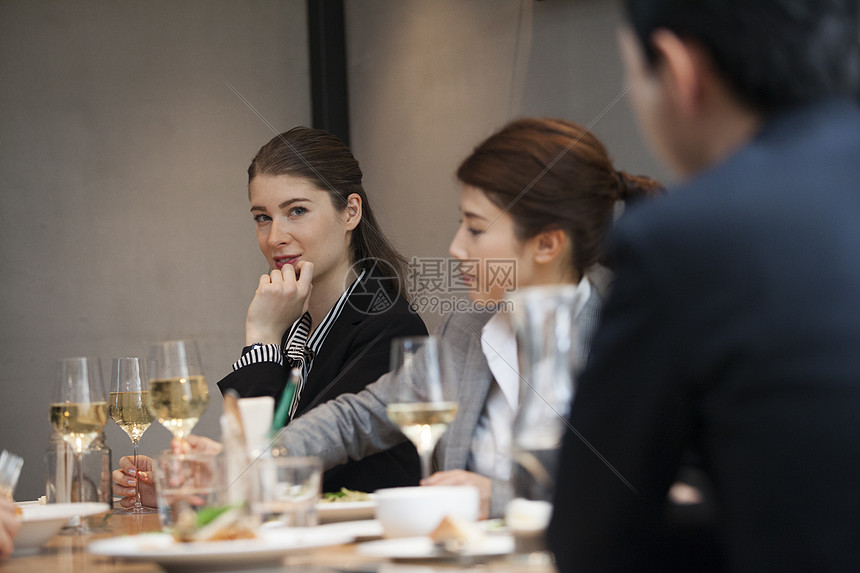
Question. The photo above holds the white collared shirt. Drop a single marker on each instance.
(489, 455)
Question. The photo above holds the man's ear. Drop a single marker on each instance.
(352, 213)
(549, 245)
(683, 68)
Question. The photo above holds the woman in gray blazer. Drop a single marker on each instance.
(538, 195)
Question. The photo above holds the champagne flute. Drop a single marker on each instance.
(79, 412)
(423, 406)
(177, 387)
(129, 408)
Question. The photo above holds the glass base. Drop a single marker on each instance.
(533, 559)
(135, 510)
(77, 525)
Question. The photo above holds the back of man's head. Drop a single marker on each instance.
(773, 54)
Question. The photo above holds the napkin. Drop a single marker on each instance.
(257, 416)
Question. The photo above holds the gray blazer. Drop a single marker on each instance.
(353, 426)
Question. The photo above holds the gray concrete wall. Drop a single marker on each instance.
(123, 195)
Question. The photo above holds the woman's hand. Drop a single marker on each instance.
(462, 477)
(10, 523)
(280, 300)
(127, 478)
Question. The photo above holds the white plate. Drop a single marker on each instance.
(241, 554)
(423, 548)
(29, 503)
(363, 529)
(41, 522)
(345, 511)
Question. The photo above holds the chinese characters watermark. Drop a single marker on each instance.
(435, 285)
(443, 285)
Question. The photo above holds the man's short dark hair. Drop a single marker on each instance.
(772, 53)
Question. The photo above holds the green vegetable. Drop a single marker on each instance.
(208, 514)
(345, 495)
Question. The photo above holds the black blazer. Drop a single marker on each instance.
(355, 353)
(732, 330)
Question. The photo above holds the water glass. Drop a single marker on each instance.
(185, 484)
(287, 489)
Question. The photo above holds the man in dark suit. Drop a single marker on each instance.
(733, 328)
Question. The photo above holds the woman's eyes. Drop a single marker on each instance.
(293, 212)
(472, 231)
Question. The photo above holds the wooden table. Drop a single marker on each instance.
(67, 554)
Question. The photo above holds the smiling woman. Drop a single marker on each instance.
(334, 298)
(316, 228)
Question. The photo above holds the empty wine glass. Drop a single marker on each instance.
(129, 408)
(177, 388)
(79, 412)
(424, 405)
(549, 352)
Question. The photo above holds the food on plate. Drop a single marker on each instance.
(456, 534)
(220, 523)
(344, 495)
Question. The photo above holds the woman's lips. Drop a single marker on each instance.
(281, 262)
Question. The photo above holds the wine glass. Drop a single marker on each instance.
(423, 405)
(549, 353)
(177, 388)
(79, 412)
(129, 408)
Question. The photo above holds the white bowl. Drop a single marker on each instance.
(413, 511)
(41, 522)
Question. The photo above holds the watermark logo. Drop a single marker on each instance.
(437, 285)
(441, 285)
(445, 275)
(378, 289)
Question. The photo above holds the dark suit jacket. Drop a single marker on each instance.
(732, 330)
(355, 352)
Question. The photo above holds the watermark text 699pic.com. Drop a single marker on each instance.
(444, 285)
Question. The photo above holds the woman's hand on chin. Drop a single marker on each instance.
(279, 301)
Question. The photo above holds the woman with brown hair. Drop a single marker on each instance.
(541, 193)
(333, 300)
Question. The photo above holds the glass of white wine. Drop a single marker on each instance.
(177, 388)
(424, 402)
(79, 412)
(129, 407)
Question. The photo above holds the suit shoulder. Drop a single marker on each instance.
(467, 322)
(396, 316)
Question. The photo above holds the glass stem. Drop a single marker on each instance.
(426, 463)
(79, 460)
(137, 504)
